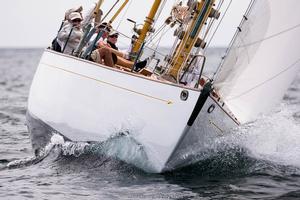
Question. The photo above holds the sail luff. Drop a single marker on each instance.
(263, 60)
(229, 48)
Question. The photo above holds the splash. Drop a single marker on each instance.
(74, 148)
(123, 146)
(270, 142)
(273, 138)
(55, 140)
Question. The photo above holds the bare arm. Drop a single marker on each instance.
(118, 53)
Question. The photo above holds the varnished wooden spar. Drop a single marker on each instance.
(190, 37)
(147, 26)
(118, 11)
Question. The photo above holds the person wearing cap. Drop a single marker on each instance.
(71, 33)
(118, 57)
(112, 40)
(72, 10)
(56, 44)
(109, 45)
(102, 54)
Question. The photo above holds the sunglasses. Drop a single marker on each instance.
(76, 20)
(106, 29)
(113, 36)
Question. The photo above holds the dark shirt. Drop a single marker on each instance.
(112, 45)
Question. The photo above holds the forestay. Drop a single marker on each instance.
(263, 60)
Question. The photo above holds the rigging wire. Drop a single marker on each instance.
(157, 42)
(269, 37)
(264, 39)
(189, 53)
(164, 30)
(258, 41)
(152, 49)
(109, 11)
(245, 18)
(217, 28)
(123, 16)
(211, 22)
(159, 12)
(157, 15)
(156, 34)
(155, 21)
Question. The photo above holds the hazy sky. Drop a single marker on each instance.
(34, 23)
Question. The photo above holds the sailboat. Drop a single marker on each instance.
(162, 113)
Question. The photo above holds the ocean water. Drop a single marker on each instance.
(260, 160)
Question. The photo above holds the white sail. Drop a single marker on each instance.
(263, 60)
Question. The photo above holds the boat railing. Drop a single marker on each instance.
(154, 55)
(68, 38)
(189, 66)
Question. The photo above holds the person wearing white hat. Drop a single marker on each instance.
(71, 33)
(112, 39)
(72, 10)
(56, 43)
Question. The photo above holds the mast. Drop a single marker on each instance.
(147, 26)
(202, 11)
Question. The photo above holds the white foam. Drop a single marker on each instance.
(125, 147)
(74, 148)
(56, 139)
(275, 137)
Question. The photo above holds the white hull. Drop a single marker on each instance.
(85, 101)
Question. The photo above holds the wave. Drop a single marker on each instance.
(119, 147)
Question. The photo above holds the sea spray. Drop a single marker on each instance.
(123, 146)
(268, 138)
(74, 148)
(43, 153)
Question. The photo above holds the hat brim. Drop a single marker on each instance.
(112, 35)
(76, 18)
